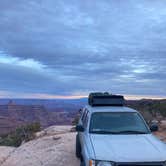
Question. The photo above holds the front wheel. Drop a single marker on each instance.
(82, 164)
(78, 147)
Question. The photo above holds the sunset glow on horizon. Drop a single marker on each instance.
(7, 95)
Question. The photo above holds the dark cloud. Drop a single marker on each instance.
(78, 46)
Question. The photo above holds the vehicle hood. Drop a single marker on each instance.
(128, 148)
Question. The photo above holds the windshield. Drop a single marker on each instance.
(117, 123)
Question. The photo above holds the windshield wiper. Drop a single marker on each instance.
(131, 132)
(103, 132)
(118, 132)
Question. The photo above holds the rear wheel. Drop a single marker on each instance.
(78, 147)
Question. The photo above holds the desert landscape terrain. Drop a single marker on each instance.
(54, 146)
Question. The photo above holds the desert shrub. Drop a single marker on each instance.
(150, 108)
(75, 120)
(21, 134)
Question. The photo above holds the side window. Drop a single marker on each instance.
(83, 115)
(86, 119)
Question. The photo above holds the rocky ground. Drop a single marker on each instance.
(162, 131)
(55, 146)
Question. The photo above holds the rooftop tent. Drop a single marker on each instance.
(105, 99)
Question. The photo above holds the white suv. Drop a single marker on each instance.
(117, 136)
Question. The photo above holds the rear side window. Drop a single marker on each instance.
(83, 115)
(86, 119)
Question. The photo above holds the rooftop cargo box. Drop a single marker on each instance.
(105, 99)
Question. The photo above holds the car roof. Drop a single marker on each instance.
(109, 109)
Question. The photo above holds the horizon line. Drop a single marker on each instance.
(14, 95)
(56, 97)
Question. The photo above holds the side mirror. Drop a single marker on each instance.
(154, 127)
(80, 110)
(79, 128)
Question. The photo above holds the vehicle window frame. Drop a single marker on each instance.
(148, 130)
(83, 115)
(86, 120)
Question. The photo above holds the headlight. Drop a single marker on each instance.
(104, 163)
(100, 163)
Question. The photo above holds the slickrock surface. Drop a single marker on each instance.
(5, 153)
(162, 136)
(54, 146)
(162, 131)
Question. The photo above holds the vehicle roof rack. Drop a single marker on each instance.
(105, 99)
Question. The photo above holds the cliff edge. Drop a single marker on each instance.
(54, 146)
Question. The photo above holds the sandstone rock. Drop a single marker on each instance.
(55, 148)
(5, 153)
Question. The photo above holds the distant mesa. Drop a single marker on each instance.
(11, 102)
(13, 115)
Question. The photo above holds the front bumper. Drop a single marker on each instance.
(141, 164)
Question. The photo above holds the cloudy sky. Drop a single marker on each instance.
(70, 47)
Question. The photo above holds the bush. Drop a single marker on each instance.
(75, 120)
(21, 134)
(152, 108)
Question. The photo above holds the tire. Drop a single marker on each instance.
(82, 164)
(78, 147)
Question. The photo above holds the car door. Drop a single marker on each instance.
(84, 135)
(81, 122)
